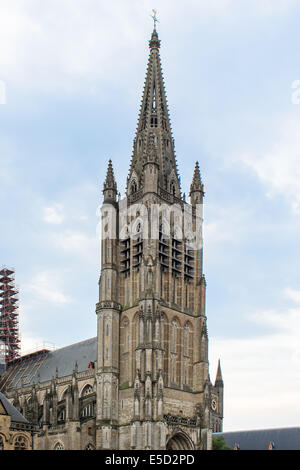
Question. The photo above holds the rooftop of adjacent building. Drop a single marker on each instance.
(43, 365)
(10, 410)
(263, 439)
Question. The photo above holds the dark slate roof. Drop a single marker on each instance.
(44, 364)
(15, 415)
(282, 439)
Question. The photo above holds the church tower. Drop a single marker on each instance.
(153, 384)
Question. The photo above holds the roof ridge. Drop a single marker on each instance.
(73, 344)
(259, 429)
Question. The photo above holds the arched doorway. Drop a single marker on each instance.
(179, 441)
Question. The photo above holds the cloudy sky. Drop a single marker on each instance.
(71, 78)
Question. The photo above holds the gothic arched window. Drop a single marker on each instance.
(20, 443)
(1, 443)
(61, 417)
(87, 390)
(133, 187)
(173, 188)
(87, 411)
(90, 447)
(59, 446)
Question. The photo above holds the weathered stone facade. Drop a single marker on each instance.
(149, 385)
(153, 386)
(56, 392)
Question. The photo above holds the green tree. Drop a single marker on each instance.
(219, 443)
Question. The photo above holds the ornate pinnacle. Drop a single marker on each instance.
(197, 184)
(110, 182)
(219, 379)
(154, 43)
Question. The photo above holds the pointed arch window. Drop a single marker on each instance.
(1, 443)
(154, 99)
(173, 188)
(153, 121)
(90, 447)
(20, 443)
(59, 446)
(133, 187)
(61, 417)
(87, 411)
(87, 390)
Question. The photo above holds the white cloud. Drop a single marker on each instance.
(278, 167)
(55, 44)
(54, 214)
(293, 295)
(78, 244)
(46, 46)
(227, 224)
(261, 373)
(33, 343)
(45, 286)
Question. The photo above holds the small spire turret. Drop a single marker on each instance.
(197, 187)
(110, 186)
(219, 379)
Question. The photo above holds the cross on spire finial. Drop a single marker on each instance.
(154, 17)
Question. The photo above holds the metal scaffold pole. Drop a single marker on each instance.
(9, 317)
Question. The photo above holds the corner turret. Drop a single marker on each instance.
(110, 186)
(197, 187)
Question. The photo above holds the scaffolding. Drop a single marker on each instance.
(9, 317)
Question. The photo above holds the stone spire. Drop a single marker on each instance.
(197, 184)
(219, 379)
(110, 185)
(154, 134)
(197, 187)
